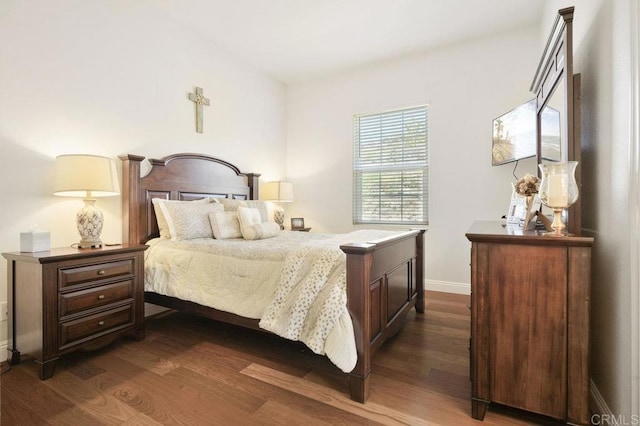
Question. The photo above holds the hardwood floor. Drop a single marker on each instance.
(193, 371)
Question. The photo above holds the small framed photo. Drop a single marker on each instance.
(297, 223)
(521, 213)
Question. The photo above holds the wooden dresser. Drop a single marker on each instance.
(530, 322)
(68, 299)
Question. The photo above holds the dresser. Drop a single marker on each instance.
(530, 321)
(68, 299)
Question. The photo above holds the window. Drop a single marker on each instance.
(391, 167)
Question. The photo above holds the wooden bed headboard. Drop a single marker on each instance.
(176, 177)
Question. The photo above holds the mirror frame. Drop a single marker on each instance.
(555, 68)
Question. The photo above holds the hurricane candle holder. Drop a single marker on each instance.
(558, 190)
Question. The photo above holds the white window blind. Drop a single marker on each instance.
(391, 167)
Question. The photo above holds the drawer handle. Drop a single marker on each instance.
(101, 297)
(101, 323)
(102, 272)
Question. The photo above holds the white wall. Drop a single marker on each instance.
(111, 78)
(466, 86)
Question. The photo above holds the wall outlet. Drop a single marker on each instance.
(3, 311)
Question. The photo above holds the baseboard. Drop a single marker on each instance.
(447, 287)
(601, 413)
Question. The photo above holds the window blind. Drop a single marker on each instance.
(391, 167)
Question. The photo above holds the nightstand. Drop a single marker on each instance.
(69, 299)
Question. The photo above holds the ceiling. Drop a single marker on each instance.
(297, 40)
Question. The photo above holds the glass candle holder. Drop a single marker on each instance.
(558, 190)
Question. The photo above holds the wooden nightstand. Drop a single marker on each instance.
(68, 299)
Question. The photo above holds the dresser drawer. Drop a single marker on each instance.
(78, 301)
(90, 326)
(81, 274)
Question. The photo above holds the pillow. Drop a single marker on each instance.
(266, 208)
(225, 225)
(162, 221)
(189, 220)
(230, 204)
(252, 226)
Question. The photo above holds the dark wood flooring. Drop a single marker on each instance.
(192, 371)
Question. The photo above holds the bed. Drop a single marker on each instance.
(384, 275)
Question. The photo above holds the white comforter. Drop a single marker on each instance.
(294, 283)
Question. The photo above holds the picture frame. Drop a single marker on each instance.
(522, 213)
(297, 223)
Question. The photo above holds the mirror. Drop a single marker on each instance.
(557, 105)
(552, 126)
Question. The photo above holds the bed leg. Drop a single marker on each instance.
(419, 272)
(359, 388)
(420, 301)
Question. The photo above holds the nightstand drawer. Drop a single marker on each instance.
(78, 301)
(81, 274)
(86, 327)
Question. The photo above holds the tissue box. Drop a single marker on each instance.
(35, 241)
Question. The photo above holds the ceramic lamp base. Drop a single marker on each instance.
(278, 215)
(90, 221)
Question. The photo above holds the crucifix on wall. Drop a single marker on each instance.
(200, 100)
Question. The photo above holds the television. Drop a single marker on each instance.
(514, 135)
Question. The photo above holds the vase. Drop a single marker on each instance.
(558, 190)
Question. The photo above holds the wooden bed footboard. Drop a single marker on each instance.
(384, 282)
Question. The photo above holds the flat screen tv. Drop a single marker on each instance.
(514, 134)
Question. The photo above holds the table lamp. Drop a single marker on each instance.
(87, 176)
(279, 192)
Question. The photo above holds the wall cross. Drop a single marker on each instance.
(200, 100)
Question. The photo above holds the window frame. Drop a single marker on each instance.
(393, 165)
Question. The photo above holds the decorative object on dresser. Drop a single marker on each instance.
(200, 101)
(384, 276)
(558, 190)
(530, 298)
(87, 176)
(278, 192)
(524, 202)
(69, 299)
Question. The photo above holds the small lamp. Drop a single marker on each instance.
(87, 176)
(279, 192)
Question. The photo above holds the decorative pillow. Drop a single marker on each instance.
(188, 220)
(225, 225)
(266, 208)
(230, 204)
(252, 226)
(162, 222)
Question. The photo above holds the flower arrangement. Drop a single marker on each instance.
(527, 185)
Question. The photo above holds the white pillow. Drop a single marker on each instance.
(188, 220)
(266, 208)
(225, 225)
(230, 204)
(162, 221)
(252, 226)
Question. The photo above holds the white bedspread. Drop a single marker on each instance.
(295, 283)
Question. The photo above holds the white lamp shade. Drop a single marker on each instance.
(281, 192)
(86, 176)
